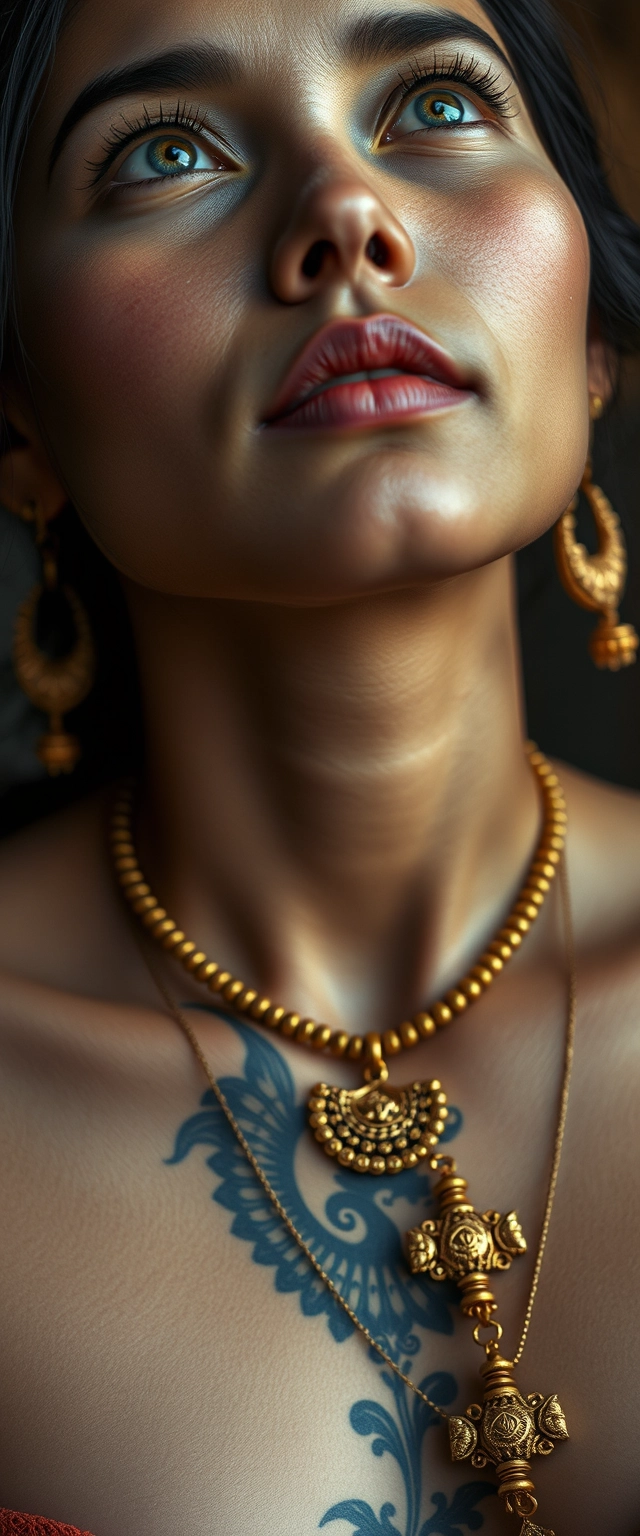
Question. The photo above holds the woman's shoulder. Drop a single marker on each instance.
(603, 857)
(603, 862)
(60, 919)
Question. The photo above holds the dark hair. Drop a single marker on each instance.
(536, 40)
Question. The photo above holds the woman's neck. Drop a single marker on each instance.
(337, 803)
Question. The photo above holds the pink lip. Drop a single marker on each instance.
(426, 379)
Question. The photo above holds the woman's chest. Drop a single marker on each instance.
(171, 1361)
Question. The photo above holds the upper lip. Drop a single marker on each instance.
(344, 347)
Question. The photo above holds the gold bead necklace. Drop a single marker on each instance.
(372, 1129)
(462, 1245)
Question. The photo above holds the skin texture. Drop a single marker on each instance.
(336, 800)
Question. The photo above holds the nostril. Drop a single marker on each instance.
(315, 256)
(378, 251)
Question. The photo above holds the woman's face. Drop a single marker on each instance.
(207, 188)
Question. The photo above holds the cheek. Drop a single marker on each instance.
(525, 268)
(529, 269)
(130, 345)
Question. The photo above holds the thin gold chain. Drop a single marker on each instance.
(569, 1050)
(270, 1191)
(181, 1019)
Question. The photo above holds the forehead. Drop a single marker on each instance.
(261, 34)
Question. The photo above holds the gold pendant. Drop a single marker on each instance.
(464, 1246)
(507, 1429)
(378, 1128)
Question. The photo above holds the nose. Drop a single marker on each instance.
(340, 231)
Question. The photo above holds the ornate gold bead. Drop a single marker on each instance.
(153, 915)
(493, 962)
(232, 989)
(245, 999)
(456, 1000)
(288, 1023)
(133, 884)
(195, 960)
(425, 1025)
(499, 948)
(217, 983)
(472, 985)
(321, 1037)
(338, 1042)
(206, 971)
(260, 1007)
(161, 929)
(511, 937)
(442, 1014)
(544, 868)
(173, 938)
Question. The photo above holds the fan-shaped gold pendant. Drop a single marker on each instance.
(378, 1128)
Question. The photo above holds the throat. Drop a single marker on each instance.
(340, 835)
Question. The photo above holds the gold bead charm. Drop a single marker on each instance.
(505, 1432)
(464, 1246)
(378, 1128)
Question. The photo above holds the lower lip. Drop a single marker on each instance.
(371, 403)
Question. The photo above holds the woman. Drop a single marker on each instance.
(311, 308)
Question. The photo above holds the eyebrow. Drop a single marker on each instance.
(393, 32)
(185, 69)
(203, 64)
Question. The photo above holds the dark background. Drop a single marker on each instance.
(575, 712)
(587, 717)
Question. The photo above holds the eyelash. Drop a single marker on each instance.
(117, 139)
(471, 72)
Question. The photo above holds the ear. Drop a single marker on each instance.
(602, 362)
(27, 477)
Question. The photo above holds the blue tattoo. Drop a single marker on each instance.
(358, 1244)
(401, 1437)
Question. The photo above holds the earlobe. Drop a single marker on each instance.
(27, 477)
(602, 364)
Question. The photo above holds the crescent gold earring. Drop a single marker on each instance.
(53, 684)
(597, 582)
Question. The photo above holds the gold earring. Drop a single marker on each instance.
(597, 582)
(54, 685)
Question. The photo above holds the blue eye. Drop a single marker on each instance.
(436, 109)
(168, 156)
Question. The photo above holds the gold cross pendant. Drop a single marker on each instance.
(507, 1429)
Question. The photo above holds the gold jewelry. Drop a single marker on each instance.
(376, 1128)
(507, 1429)
(53, 685)
(597, 582)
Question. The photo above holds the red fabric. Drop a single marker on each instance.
(13, 1524)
